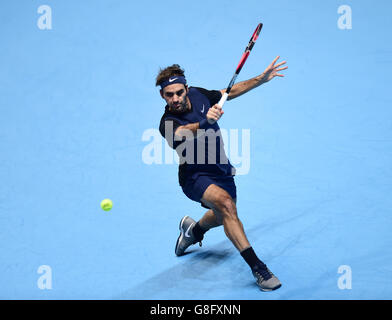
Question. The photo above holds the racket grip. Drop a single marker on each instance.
(223, 99)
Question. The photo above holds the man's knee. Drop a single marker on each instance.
(226, 208)
(223, 205)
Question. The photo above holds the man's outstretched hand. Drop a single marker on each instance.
(272, 71)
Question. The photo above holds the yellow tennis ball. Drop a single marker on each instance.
(106, 204)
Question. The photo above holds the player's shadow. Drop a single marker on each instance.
(210, 258)
(201, 267)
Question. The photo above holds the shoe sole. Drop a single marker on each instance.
(268, 290)
(181, 236)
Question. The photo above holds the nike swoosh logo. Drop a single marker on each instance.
(187, 231)
(173, 79)
(202, 111)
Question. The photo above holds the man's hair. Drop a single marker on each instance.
(168, 72)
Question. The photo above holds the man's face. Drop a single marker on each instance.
(175, 97)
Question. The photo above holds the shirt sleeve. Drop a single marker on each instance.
(171, 125)
(212, 95)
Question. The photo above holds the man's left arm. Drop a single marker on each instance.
(271, 72)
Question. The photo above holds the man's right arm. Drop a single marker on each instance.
(212, 116)
(187, 129)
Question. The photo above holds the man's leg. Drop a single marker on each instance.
(207, 222)
(225, 209)
(210, 220)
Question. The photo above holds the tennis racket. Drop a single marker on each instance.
(245, 56)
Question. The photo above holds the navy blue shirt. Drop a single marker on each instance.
(204, 155)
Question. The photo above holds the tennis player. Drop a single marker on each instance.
(190, 126)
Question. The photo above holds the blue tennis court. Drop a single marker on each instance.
(80, 117)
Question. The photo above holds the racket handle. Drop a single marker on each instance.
(223, 99)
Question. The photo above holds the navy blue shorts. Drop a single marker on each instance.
(194, 188)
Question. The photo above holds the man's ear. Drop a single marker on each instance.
(161, 92)
(186, 88)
